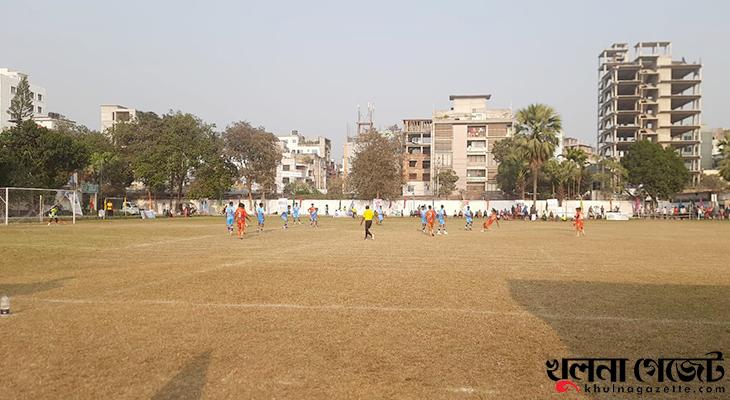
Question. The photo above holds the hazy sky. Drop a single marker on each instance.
(306, 65)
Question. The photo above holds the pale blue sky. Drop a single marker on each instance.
(306, 65)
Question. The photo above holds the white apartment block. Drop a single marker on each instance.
(463, 137)
(649, 97)
(9, 81)
(303, 160)
(112, 114)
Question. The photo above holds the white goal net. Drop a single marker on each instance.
(34, 204)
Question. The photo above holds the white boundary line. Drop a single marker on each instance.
(355, 307)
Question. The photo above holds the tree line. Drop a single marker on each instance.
(180, 155)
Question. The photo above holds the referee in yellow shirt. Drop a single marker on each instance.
(367, 216)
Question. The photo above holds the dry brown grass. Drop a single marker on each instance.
(175, 309)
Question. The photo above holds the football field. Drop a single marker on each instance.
(175, 309)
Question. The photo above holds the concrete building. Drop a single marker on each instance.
(649, 96)
(9, 81)
(463, 137)
(710, 150)
(112, 114)
(416, 138)
(573, 143)
(307, 160)
(53, 121)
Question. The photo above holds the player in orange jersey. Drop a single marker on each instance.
(490, 220)
(578, 223)
(430, 220)
(241, 217)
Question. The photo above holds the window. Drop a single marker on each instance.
(412, 163)
(476, 159)
(285, 167)
(40, 110)
(285, 180)
(476, 173)
(12, 89)
(40, 97)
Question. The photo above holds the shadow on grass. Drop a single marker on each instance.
(593, 318)
(625, 320)
(188, 384)
(18, 289)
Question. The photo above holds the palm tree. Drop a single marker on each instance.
(537, 127)
(580, 158)
(725, 163)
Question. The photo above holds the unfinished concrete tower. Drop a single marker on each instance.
(649, 96)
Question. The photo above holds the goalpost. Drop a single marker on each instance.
(33, 204)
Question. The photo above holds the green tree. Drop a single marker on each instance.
(714, 183)
(21, 106)
(725, 161)
(377, 169)
(164, 152)
(611, 176)
(445, 182)
(536, 128)
(255, 153)
(560, 173)
(215, 174)
(33, 156)
(107, 167)
(513, 166)
(334, 187)
(580, 158)
(301, 188)
(660, 172)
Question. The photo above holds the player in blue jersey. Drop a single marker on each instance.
(422, 214)
(380, 214)
(285, 217)
(469, 216)
(260, 217)
(295, 215)
(441, 216)
(229, 212)
(313, 216)
(423, 219)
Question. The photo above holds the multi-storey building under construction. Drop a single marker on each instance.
(649, 97)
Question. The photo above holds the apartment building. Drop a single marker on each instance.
(306, 160)
(416, 138)
(463, 137)
(112, 114)
(573, 143)
(9, 80)
(648, 95)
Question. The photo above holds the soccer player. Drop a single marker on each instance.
(313, 216)
(579, 224)
(380, 215)
(229, 212)
(490, 220)
(53, 215)
(423, 219)
(312, 210)
(285, 217)
(441, 215)
(367, 217)
(295, 215)
(430, 220)
(469, 216)
(260, 218)
(241, 217)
